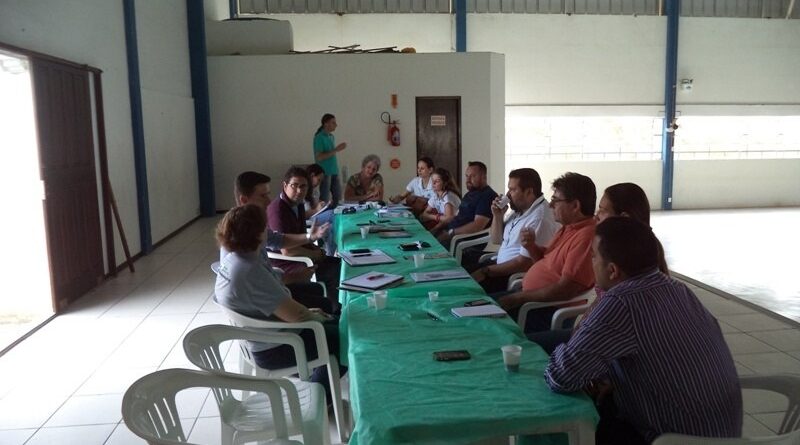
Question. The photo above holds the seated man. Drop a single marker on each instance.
(563, 270)
(475, 212)
(669, 367)
(287, 215)
(253, 188)
(531, 212)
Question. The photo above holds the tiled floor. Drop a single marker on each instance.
(64, 384)
(750, 253)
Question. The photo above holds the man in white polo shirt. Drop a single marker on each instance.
(530, 212)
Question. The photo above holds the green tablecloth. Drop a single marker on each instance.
(399, 394)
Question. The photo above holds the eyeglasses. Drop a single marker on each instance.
(297, 186)
(554, 200)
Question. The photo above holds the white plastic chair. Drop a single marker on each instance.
(460, 242)
(786, 384)
(792, 438)
(561, 315)
(299, 259)
(304, 366)
(789, 432)
(201, 346)
(149, 409)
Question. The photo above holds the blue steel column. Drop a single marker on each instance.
(670, 80)
(137, 127)
(202, 115)
(233, 8)
(461, 25)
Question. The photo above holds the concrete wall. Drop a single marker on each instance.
(558, 65)
(168, 111)
(92, 32)
(265, 109)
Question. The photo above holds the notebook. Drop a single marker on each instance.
(375, 256)
(370, 281)
(487, 310)
(451, 274)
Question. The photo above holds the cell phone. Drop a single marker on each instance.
(357, 251)
(476, 303)
(409, 246)
(382, 221)
(449, 356)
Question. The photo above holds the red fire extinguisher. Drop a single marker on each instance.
(393, 133)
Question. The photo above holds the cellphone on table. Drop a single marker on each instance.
(449, 356)
(476, 303)
(360, 251)
(409, 246)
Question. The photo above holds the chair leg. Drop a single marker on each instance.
(227, 434)
(336, 393)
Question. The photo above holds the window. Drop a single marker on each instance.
(581, 138)
(737, 137)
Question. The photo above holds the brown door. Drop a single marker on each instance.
(439, 132)
(66, 158)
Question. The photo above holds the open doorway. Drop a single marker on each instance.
(26, 299)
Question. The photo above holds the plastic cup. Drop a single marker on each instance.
(364, 232)
(511, 356)
(503, 201)
(380, 299)
(370, 301)
(419, 260)
(433, 295)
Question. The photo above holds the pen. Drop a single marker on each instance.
(434, 317)
(361, 254)
(375, 277)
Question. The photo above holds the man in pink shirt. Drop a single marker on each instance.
(563, 270)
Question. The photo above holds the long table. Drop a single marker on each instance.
(399, 394)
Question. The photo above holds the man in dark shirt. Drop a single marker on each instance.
(287, 215)
(475, 211)
(669, 367)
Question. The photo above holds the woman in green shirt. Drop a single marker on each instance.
(325, 150)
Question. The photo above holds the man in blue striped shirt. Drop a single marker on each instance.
(668, 365)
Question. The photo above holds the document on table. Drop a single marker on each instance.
(451, 274)
(486, 310)
(370, 281)
(374, 256)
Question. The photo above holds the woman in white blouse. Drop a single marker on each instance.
(443, 205)
(420, 189)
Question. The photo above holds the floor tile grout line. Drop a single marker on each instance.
(735, 299)
(100, 365)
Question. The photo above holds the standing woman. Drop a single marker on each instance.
(443, 206)
(366, 185)
(325, 150)
(420, 189)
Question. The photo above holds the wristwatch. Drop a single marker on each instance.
(451, 232)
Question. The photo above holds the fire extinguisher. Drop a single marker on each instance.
(393, 133)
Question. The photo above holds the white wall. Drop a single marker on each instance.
(570, 65)
(168, 112)
(737, 183)
(92, 32)
(265, 109)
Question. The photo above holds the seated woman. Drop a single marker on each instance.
(420, 189)
(314, 205)
(247, 284)
(443, 206)
(366, 185)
